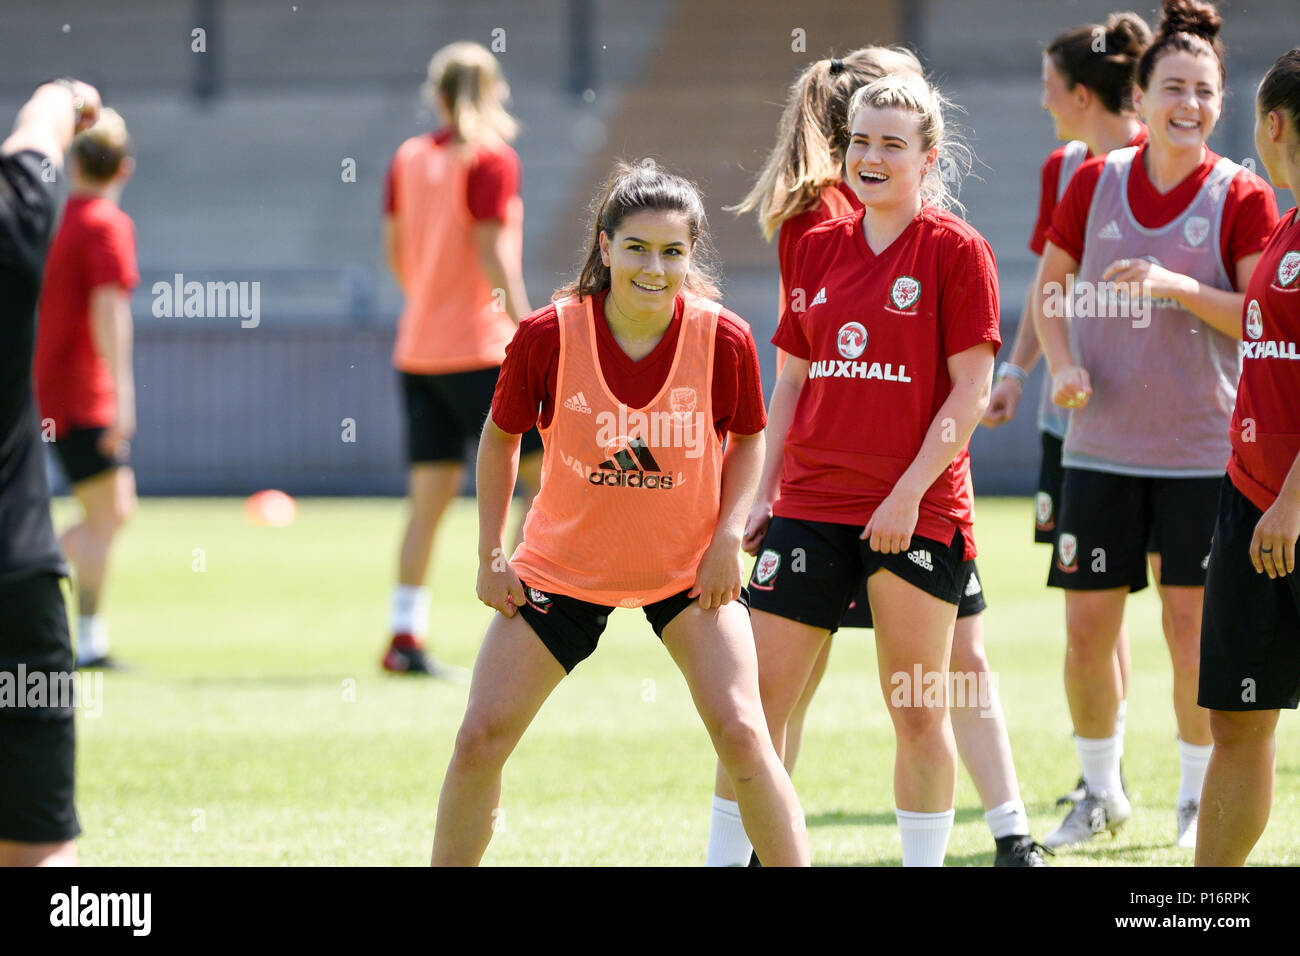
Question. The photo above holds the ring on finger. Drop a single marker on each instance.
(1125, 263)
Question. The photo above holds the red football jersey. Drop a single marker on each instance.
(95, 246)
(1249, 209)
(525, 393)
(878, 330)
(1049, 191)
(1266, 422)
(493, 181)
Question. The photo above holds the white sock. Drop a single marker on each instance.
(92, 637)
(1008, 819)
(410, 610)
(1119, 725)
(925, 836)
(1193, 758)
(1100, 761)
(728, 843)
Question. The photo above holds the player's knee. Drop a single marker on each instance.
(1241, 728)
(917, 723)
(968, 658)
(740, 743)
(481, 744)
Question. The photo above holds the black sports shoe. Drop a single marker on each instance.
(404, 657)
(1074, 796)
(1020, 851)
(105, 663)
(1081, 790)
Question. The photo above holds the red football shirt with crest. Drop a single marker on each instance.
(877, 331)
(1265, 428)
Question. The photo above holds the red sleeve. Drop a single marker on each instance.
(1046, 201)
(737, 381)
(1249, 217)
(390, 194)
(493, 182)
(792, 230)
(1070, 220)
(969, 307)
(110, 254)
(525, 392)
(789, 336)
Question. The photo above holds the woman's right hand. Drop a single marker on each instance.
(1003, 401)
(1071, 387)
(760, 516)
(498, 585)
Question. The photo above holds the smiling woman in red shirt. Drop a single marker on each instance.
(802, 185)
(648, 399)
(1250, 636)
(1146, 256)
(1087, 90)
(890, 347)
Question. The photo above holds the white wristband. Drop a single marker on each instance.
(1008, 370)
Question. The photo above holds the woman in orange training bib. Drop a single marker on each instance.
(453, 237)
(648, 401)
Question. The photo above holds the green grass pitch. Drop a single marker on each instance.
(255, 728)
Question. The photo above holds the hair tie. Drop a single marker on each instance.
(837, 66)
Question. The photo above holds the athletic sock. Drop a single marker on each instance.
(1008, 819)
(925, 836)
(410, 610)
(1100, 761)
(92, 637)
(1119, 725)
(728, 843)
(1193, 758)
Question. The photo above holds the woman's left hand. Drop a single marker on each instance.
(891, 526)
(1156, 281)
(718, 578)
(1272, 548)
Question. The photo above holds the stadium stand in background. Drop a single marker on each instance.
(251, 188)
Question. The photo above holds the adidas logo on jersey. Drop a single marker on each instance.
(632, 466)
(577, 403)
(819, 298)
(921, 558)
(1110, 231)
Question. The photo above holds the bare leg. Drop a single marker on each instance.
(715, 651)
(530, 479)
(107, 501)
(787, 651)
(912, 628)
(38, 854)
(794, 727)
(979, 727)
(431, 487)
(1092, 679)
(1238, 792)
(513, 676)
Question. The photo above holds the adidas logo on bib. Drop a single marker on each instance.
(577, 403)
(1110, 231)
(819, 298)
(921, 558)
